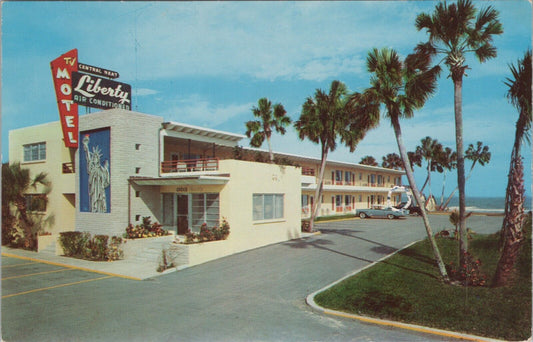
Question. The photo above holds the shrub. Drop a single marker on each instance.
(166, 261)
(190, 237)
(81, 245)
(114, 250)
(468, 274)
(206, 234)
(73, 243)
(306, 227)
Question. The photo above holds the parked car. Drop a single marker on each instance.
(389, 213)
(413, 209)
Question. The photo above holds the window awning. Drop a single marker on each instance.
(185, 180)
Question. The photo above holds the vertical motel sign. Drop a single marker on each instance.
(62, 69)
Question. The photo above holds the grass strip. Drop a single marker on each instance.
(406, 288)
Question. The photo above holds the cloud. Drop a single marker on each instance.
(196, 110)
(308, 41)
(144, 92)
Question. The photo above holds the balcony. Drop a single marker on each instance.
(308, 171)
(190, 165)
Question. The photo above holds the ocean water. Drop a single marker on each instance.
(485, 204)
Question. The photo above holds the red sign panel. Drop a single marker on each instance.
(62, 69)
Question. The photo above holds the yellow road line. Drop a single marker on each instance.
(55, 287)
(69, 266)
(405, 326)
(32, 274)
(26, 263)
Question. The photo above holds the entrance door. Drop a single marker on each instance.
(183, 214)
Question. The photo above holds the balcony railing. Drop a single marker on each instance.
(68, 168)
(308, 171)
(189, 165)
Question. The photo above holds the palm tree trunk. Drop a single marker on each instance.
(442, 193)
(458, 108)
(425, 183)
(512, 223)
(411, 178)
(519, 133)
(318, 192)
(270, 150)
(457, 187)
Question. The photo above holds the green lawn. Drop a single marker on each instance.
(405, 288)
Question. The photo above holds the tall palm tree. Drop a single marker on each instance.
(393, 161)
(519, 94)
(477, 155)
(368, 160)
(16, 183)
(400, 88)
(326, 118)
(455, 30)
(270, 118)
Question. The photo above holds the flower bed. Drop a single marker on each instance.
(208, 234)
(145, 230)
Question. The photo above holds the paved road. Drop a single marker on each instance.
(257, 295)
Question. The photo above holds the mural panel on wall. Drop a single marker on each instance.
(95, 171)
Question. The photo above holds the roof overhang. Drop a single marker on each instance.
(180, 130)
(186, 180)
(347, 188)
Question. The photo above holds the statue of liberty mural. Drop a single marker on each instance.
(98, 177)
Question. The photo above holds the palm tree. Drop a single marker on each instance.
(324, 119)
(455, 30)
(401, 88)
(519, 94)
(448, 161)
(430, 150)
(16, 182)
(393, 161)
(368, 160)
(479, 154)
(270, 118)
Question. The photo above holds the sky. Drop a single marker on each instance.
(208, 63)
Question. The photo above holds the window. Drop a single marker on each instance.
(205, 209)
(34, 152)
(267, 206)
(137, 147)
(35, 202)
(338, 176)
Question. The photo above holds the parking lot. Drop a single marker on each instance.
(258, 295)
(22, 277)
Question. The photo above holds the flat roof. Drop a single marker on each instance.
(300, 158)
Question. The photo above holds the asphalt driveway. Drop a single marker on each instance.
(257, 295)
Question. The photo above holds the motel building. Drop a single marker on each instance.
(131, 165)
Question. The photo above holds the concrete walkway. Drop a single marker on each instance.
(131, 267)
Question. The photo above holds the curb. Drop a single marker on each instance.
(69, 266)
(310, 300)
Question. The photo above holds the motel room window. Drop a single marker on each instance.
(268, 206)
(35, 152)
(35, 202)
(205, 209)
(338, 176)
